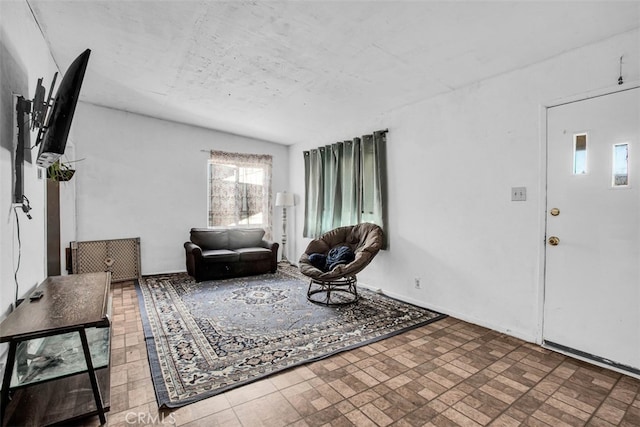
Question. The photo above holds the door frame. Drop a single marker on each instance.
(543, 111)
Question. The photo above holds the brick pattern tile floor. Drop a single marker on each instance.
(448, 373)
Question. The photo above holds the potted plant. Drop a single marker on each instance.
(59, 171)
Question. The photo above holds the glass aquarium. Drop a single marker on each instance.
(43, 359)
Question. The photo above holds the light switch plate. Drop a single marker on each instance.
(518, 194)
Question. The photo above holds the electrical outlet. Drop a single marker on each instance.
(416, 282)
(518, 194)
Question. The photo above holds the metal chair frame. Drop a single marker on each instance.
(345, 285)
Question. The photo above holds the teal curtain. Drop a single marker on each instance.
(314, 191)
(374, 179)
(349, 187)
(345, 184)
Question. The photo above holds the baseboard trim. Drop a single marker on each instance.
(593, 359)
(461, 316)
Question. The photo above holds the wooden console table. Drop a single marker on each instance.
(59, 352)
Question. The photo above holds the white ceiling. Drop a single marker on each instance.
(282, 71)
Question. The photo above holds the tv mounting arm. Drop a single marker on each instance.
(41, 108)
(30, 115)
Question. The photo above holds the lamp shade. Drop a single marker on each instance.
(284, 199)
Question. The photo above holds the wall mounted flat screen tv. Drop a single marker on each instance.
(57, 127)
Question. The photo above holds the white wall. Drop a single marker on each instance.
(452, 161)
(25, 58)
(147, 178)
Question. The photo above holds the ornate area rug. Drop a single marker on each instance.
(205, 338)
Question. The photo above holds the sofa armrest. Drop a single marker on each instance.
(273, 247)
(193, 249)
(267, 244)
(193, 255)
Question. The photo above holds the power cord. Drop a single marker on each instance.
(26, 207)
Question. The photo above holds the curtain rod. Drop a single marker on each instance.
(381, 131)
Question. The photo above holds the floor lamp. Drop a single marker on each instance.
(284, 199)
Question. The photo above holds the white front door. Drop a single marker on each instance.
(592, 276)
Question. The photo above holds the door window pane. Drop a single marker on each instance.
(620, 165)
(580, 154)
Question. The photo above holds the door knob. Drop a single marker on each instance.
(553, 241)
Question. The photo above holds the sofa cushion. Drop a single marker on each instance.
(220, 255)
(245, 237)
(208, 238)
(254, 254)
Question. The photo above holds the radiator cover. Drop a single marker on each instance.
(121, 257)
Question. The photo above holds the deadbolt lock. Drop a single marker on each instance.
(554, 211)
(553, 241)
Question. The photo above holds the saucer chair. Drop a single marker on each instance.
(338, 285)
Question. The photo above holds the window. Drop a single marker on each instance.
(240, 190)
(345, 184)
(580, 154)
(620, 174)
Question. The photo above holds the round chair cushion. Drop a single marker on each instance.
(365, 240)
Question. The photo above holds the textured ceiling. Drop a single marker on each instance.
(282, 71)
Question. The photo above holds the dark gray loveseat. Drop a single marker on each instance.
(233, 252)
